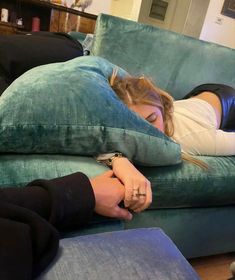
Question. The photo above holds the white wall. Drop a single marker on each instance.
(99, 6)
(183, 16)
(122, 8)
(195, 18)
(218, 28)
(170, 21)
(128, 9)
(136, 10)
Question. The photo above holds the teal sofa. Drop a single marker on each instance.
(195, 208)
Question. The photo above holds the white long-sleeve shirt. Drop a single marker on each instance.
(196, 129)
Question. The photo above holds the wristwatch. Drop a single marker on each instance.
(108, 159)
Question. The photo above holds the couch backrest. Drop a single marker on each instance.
(175, 62)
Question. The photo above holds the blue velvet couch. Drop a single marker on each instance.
(195, 208)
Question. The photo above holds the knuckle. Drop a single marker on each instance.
(128, 191)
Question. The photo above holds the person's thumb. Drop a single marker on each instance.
(123, 214)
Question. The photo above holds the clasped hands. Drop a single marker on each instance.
(138, 192)
(126, 183)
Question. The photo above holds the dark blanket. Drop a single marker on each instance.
(19, 53)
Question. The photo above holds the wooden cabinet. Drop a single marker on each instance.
(52, 17)
(8, 28)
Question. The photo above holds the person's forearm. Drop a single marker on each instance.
(28, 243)
(64, 202)
(34, 198)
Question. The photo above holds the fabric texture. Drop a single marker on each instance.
(183, 185)
(176, 63)
(68, 208)
(196, 129)
(70, 108)
(226, 95)
(131, 254)
(17, 169)
(19, 53)
(28, 241)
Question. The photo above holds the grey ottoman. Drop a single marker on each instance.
(138, 254)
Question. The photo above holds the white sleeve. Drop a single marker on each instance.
(208, 142)
(225, 143)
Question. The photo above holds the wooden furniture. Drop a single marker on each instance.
(54, 18)
(9, 28)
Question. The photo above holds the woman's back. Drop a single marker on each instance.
(196, 129)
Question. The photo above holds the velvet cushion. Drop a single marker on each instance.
(70, 108)
(178, 186)
(131, 254)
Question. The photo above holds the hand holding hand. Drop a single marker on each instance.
(138, 193)
(109, 192)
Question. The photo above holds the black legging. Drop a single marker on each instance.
(226, 95)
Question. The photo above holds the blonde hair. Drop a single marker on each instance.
(141, 90)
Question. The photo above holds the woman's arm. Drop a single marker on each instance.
(138, 193)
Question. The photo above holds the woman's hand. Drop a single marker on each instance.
(109, 192)
(138, 193)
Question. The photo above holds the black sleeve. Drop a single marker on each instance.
(72, 199)
(64, 201)
(28, 241)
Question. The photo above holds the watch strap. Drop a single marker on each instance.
(108, 159)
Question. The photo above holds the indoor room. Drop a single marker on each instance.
(117, 127)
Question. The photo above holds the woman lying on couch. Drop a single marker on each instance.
(30, 217)
(200, 123)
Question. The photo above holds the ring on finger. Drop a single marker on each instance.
(135, 194)
(141, 194)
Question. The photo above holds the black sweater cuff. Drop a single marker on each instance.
(72, 198)
(28, 243)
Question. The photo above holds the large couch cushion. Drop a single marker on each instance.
(186, 201)
(178, 186)
(70, 108)
(131, 254)
(177, 63)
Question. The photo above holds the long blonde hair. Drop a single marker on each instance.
(141, 90)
